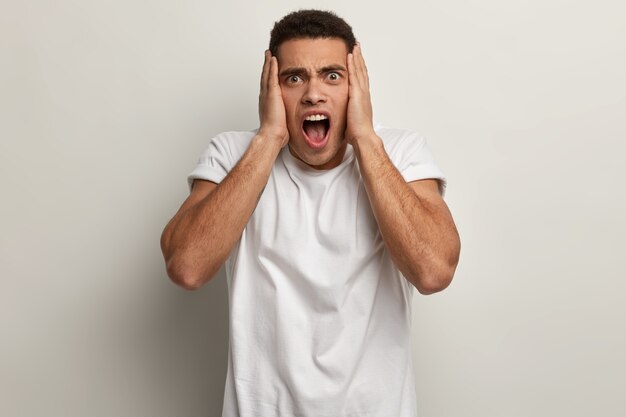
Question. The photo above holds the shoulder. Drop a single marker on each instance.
(236, 135)
(410, 154)
(232, 144)
(398, 139)
(220, 156)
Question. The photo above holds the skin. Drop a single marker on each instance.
(414, 221)
(313, 77)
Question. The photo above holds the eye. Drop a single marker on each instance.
(334, 76)
(293, 79)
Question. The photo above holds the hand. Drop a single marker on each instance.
(359, 124)
(271, 106)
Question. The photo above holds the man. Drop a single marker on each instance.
(326, 224)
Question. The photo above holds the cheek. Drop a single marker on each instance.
(343, 96)
(343, 105)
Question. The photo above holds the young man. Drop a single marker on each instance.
(326, 224)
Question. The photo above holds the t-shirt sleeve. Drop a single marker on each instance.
(411, 155)
(220, 156)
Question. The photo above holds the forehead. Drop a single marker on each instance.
(312, 53)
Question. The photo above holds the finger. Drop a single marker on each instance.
(266, 70)
(366, 77)
(272, 81)
(274, 71)
(361, 69)
(352, 76)
(355, 63)
(356, 69)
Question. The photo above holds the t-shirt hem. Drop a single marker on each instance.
(205, 172)
(426, 172)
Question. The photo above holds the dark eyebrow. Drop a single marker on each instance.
(300, 70)
(331, 68)
(292, 71)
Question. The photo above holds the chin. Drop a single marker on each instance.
(327, 157)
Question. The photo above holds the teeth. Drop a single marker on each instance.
(316, 117)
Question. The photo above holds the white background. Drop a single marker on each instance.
(106, 105)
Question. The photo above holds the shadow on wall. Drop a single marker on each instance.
(193, 346)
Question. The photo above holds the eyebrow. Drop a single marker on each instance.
(301, 70)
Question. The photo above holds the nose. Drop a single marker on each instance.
(314, 93)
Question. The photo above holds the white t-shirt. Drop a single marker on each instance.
(319, 316)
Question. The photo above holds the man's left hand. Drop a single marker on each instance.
(359, 123)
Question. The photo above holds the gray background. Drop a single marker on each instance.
(106, 105)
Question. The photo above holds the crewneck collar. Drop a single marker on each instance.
(294, 163)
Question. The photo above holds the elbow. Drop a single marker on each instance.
(439, 276)
(431, 284)
(181, 268)
(185, 275)
(436, 279)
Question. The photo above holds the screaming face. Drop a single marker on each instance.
(313, 78)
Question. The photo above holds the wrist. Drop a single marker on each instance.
(271, 136)
(266, 144)
(368, 144)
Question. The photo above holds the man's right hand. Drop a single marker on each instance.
(199, 238)
(271, 106)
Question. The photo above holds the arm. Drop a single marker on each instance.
(413, 219)
(199, 238)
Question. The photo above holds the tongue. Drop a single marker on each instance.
(316, 131)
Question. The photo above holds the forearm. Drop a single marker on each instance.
(198, 240)
(418, 231)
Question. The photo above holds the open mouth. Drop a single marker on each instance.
(316, 128)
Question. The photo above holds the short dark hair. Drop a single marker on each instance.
(311, 24)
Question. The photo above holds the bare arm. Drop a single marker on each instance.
(199, 238)
(414, 221)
